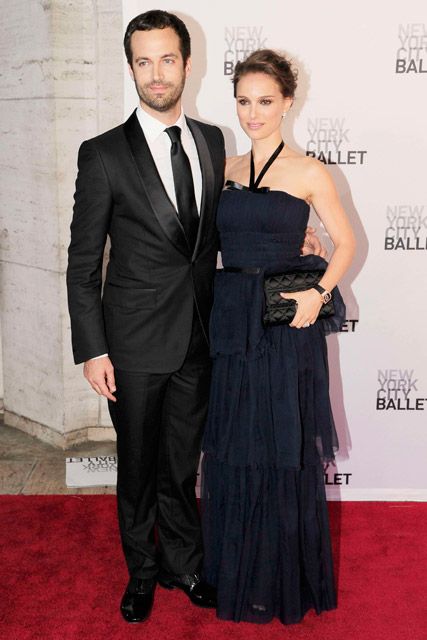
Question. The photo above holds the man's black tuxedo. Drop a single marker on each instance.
(153, 323)
(152, 279)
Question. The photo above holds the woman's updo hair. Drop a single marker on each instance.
(273, 64)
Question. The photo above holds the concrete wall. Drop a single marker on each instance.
(62, 83)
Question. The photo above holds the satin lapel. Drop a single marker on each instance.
(153, 186)
(208, 180)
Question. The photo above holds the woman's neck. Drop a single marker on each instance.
(263, 149)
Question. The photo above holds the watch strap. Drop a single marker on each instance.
(326, 295)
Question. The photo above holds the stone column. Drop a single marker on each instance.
(62, 83)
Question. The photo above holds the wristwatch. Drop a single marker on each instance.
(326, 295)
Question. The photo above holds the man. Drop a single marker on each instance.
(152, 185)
(153, 321)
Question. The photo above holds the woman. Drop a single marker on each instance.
(270, 426)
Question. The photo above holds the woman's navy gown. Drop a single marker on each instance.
(270, 426)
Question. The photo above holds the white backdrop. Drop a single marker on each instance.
(360, 104)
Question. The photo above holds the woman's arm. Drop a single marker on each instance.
(325, 200)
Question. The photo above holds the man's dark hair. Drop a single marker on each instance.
(157, 19)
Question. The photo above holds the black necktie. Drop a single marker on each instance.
(184, 187)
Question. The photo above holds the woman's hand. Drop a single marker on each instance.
(309, 304)
(312, 244)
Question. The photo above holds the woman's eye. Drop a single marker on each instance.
(242, 101)
(265, 102)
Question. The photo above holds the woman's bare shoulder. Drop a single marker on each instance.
(233, 164)
(307, 165)
(232, 161)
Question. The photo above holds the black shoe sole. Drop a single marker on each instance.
(170, 587)
(135, 621)
(166, 585)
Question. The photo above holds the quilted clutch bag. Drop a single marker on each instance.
(281, 311)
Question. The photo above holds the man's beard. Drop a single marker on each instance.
(164, 102)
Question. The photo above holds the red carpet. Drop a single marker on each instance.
(62, 577)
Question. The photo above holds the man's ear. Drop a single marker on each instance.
(131, 72)
(188, 67)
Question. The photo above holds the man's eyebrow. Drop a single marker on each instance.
(166, 55)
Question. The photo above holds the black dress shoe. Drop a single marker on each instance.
(200, 593)
(137, 600)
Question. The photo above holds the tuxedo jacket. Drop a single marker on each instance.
(154, 281)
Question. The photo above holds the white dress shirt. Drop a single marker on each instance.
(160, 144)
(160, 147)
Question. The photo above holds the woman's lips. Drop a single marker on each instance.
(254, 125)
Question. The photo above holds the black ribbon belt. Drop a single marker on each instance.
(251, 270)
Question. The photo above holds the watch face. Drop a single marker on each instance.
(326, 297)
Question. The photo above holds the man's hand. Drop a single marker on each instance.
(100, 375)
(312, 244)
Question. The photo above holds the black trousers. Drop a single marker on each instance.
(159, 420)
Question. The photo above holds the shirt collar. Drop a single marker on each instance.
(153, 128)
